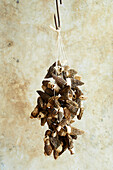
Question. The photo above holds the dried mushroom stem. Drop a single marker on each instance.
(80, 113)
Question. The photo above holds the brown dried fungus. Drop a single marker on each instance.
(57, 106)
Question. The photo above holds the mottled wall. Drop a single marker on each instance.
(27, 48)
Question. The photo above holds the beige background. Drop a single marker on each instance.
(27, 48)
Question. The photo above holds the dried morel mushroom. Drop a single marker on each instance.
(57, 105)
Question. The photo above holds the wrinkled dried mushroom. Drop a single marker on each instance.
(57, 105)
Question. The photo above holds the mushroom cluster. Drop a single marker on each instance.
(57, 105)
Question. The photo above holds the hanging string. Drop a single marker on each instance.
(61, 56)
(61, 52)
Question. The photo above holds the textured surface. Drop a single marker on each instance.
(27, 48)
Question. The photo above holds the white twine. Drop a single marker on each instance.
(61, 55)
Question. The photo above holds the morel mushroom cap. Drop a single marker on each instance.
(67, 113)
(55, 154)
(71, 108)
(51, 70)
(62, 132)
(71, 102)
(78, 92)
(75, 83)
(47, 148)
(43, 121)
(75, 131)
(63, 123)
(35, 112)
(71, 73)
(55, 142)
(57, 151)
(45, 82)
(60, 82)
(64, 91)
(43, 95)
(65, 142)
(48, 132)
(40, 102)
(53, 101)
(49, 91)
(77, 77)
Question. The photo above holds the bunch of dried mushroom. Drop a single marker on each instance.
(58, 104)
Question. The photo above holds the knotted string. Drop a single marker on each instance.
(61, 55)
